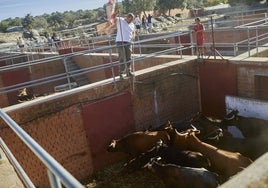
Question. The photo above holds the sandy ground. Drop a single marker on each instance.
(8, 175)
(9, 37)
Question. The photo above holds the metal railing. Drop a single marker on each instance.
(240, 46)
(165, 49)
(22, 174)
(58, 175)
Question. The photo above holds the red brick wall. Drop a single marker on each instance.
(105, 120)
(217, 79)
(13, 77)
(246, 78)
(3, 97)
(44, 70)
(175, 89)
(61, 133)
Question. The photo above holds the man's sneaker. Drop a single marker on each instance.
(130, 74)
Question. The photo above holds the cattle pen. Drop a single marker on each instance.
(80, 104)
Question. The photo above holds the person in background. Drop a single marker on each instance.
(56, 39)
(124, 37)
(20, 43)
(199, 30)
(137, 23)
(150, 23)
(144, 24)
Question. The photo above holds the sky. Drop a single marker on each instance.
(20, 8)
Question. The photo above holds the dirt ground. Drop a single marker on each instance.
(116, 176)
(9, 37)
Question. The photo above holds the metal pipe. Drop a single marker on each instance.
(22, 174)
(54, 181)
(66, 178)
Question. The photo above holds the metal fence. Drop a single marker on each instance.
(57, 174)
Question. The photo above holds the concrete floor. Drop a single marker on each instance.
(8, 175)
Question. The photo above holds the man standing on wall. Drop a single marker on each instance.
(124, 37)
(199, 30)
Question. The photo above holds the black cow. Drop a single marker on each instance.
(175, 176)
(172, 155)
(250, 127)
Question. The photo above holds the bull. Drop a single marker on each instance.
(138, 142)
(172, 155)
(187, 177)
(250, 127)
(225, 163)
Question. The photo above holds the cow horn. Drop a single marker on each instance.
(229, 118)
(194, 128)
(181, 134)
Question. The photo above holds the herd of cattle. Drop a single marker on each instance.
(204, 152)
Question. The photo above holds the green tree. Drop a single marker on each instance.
(40, 22)
(55, 20)
(15, 22)
(137, 6)
(208, 3)
(4, 25)
(69, 18)
(27, 21)
(248, 2)
(192, 4)
(90, 14)
(168, 5)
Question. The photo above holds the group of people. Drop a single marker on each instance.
(144, 24)
(125, 35)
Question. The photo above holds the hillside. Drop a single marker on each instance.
(9, 37)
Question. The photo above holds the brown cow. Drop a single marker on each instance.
(223, 162)
(138, 142)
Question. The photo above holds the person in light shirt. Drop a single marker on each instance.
(124, 37)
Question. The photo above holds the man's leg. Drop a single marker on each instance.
(128, 50)
(121, 57)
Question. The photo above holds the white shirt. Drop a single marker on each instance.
(137, 21)
(125, 31)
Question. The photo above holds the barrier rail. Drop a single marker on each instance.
(22, 174)
(58, 175)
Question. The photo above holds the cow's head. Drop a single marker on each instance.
(230, 119)
(181, 139)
